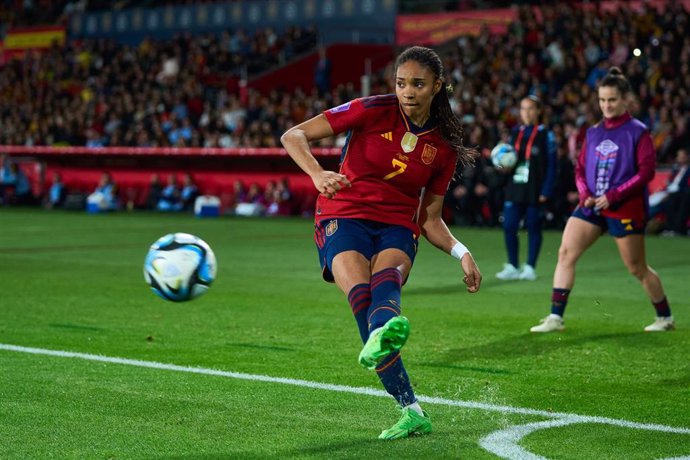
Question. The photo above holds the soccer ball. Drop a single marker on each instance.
(180, 267)
(504, 156)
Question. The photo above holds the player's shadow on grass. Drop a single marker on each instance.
(487, 284)
(414, 291)
(325, 450)
(258, 346)
(76, 327)
(532, 345)
(330, 450)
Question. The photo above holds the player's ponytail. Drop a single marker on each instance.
(448, 124)
(450, 127)
(616, 79)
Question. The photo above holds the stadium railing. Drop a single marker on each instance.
(214, 169)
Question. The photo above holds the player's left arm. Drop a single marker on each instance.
(551, 161)
(645, 156)
(438, 234)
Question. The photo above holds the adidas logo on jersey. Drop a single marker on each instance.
(388, 136)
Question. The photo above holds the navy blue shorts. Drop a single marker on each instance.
(333, 236)
(616, 227)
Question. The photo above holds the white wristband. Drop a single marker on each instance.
(458, 251)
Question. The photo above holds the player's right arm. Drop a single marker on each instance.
(296, 142)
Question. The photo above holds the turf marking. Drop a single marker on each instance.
(503, 443)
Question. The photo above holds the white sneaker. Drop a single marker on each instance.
(661, 324)
(509, 272)
(528, 273)
(549, 324)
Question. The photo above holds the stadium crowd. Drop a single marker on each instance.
(185, 92)
(179, 93)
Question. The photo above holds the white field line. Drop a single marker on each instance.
(502, 442)
(505, 442)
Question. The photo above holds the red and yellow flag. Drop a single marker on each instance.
(26, 38)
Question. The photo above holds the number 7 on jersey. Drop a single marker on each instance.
(400, 168)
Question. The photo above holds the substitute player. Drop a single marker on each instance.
(615, 165)
(400, 155)
(530, 186)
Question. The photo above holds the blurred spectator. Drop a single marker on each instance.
(6, 179)
(269, 188)
(467, 194)
(278, 198)
(254, 203)
(154, 192)
(56, 193)
(239, 193)
(189, 192)
(93, 139)
(476, 193)
(14, 185)
(170, 196)
(565, 195)
(283, 187)
(671, 202)
(104, 197)
(322, 73)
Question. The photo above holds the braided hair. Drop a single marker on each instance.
(448, 124)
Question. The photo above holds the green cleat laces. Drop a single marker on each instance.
(411, 423)
(385, 340)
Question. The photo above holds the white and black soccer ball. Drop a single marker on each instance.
(180, 267)
(504, 156)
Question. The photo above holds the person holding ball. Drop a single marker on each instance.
(530, 185)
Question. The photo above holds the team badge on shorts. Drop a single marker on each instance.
(332, 227)
(428, 154)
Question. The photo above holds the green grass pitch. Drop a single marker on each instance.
(73, 282)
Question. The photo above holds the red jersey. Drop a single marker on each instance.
(388, 160)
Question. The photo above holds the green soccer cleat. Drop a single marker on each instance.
(383, 341)
(411, 423)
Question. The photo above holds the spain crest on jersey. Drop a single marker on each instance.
(428, 154)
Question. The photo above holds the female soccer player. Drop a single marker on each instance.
(615, 165)
(529, 187)
(399, 158)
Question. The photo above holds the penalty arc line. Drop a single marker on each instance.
(567, 418)
(505, 443)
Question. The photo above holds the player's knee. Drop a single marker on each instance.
(638, 270)
(565, 255)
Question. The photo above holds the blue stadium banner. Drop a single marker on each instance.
(337, 20)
